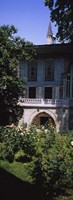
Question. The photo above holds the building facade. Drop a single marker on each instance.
(48, 97)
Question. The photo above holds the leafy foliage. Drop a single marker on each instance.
(53, 163)
(47, 154)
(10, 142)
(62, 14)
(19, 156)
(13, 50)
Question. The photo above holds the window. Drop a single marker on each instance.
(68, 86)
(32, 71)
(48, 92)
(61, 92)
(49, 70)
(43, 120)
(32, 92)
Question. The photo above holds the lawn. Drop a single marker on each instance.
(18, 169)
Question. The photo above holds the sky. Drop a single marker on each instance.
(30, 17)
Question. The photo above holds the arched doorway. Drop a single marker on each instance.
(43, 119)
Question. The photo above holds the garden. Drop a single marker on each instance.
(41, 157)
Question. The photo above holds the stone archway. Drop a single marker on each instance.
(44, 119)
(35, 116)
(35, 113)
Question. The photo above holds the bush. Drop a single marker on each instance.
(20, 156)
(53, 163)
(51, 154)
(11, 141)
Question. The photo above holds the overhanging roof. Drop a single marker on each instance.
(55, 49)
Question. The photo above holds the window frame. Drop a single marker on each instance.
(68, 84)
(49, 70)
(46, 89)
(33, 96)
(32, 68)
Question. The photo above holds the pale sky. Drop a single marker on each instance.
(30, 17)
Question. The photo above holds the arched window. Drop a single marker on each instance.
(49, 70)
(68, 85)
(32, 71)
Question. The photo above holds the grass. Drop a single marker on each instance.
(20, 170)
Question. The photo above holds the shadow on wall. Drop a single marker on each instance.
(13, 188)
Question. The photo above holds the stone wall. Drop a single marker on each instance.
(60, 116)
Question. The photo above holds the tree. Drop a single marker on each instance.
(13, 50)
(61, 12)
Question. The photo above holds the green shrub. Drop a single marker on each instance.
(51, 155)
(19, 155)
(11, 141)
(54, 164)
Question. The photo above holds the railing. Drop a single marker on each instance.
(43, 102)
(27, 100)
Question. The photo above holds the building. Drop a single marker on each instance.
(48, 97)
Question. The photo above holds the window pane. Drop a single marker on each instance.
(32, 92)
(49, 70)
(68, 86)
(48, 92)
(32, 71)
(61, 92)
